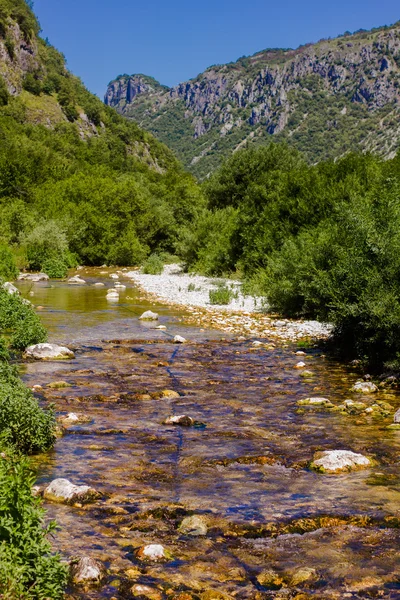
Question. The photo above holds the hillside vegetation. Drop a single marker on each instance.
(323, 99)
(74, 175)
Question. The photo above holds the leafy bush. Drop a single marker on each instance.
(28, 568)
(55, 268)
(8, 269)
(32, 84)
(127, 250)
(4, 95)
(222, 295)
(47, 243)
(18, 320)
(153, 265)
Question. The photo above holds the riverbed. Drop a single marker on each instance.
(274, 528)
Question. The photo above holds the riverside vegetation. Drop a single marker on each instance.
(78, 183)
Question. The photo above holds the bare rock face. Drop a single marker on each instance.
(266, 92)
(87, 571)
(48, 352)
(63, 491)
(337, 461)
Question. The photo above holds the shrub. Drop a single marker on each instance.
(4, 94)
(126, 251)
(31, 83)
(8, 269)
(55, 268)
(28, 568)
(153, 265)
(222, 295)
(18, 319)
(47, 242)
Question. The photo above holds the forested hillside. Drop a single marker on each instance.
(76, 177)
(324, 99)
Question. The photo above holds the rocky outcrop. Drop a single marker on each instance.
(273, 92)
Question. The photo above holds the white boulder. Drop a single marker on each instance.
(48, 352)
(63, 491)
(336, 461)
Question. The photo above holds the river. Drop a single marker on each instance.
(275, 528)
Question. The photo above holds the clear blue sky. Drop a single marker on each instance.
(174, 40)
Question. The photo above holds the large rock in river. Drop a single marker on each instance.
(63, 491)
(337, 461)
(48, 352)
(87, 571)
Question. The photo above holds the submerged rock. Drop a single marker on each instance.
(270, 579)
(57, 385)
(48, 352)
(73, 419)
(87, 571)
(76, 280)
(315, 402)
(182, 420)
(364, 387)
(194, 525)
(169, 394)
(63, 491)
(145, 591)
(336, 461)
(396, 418)
(149, 316)
(10, 288)
(153, 552)
(302, 575)
(178, 339)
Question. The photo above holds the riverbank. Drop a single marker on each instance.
(243, 316)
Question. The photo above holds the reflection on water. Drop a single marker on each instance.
(245, 471)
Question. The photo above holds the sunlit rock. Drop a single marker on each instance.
(76, 280)
(182, 420)
(10, 288)
(145, 591)
(48, 352)
(149, 316)
(63, 491)
(87, 571)
(153, 553)
(170, 394)
(315, 402)
(336, 461)
(34, 277)
(178, 339)
(364, 387)
(194, 525)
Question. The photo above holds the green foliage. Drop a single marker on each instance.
(127, 251)
(47, 245)
(28, 568)
(4, 95)
(221, 295)
(32, 84)
(55, 267)
(153, 265)
(19, 321)
(8, 269)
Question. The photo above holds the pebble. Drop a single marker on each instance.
(76, 280)
(300, 365)
(178, 339)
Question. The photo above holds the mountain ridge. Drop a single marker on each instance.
(348, 86)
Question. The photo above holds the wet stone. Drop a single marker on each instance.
(182, 420)
(76, 280)
(396, 418)
(87, 571)
(194, 525)
(153, 553)
(316, 402)
(149, 316)
(178, 339)
(364, 387)
(302, 575)
(64, 492)
(300, 365)
(270, 579)
(336, 461)
(56, 385)
(170, 394)
(48, 352)
(146, 591)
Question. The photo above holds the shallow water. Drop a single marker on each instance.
(244, 466)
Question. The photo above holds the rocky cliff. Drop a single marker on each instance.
(326, 99)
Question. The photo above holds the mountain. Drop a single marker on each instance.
(325, 99)
(71, 168)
